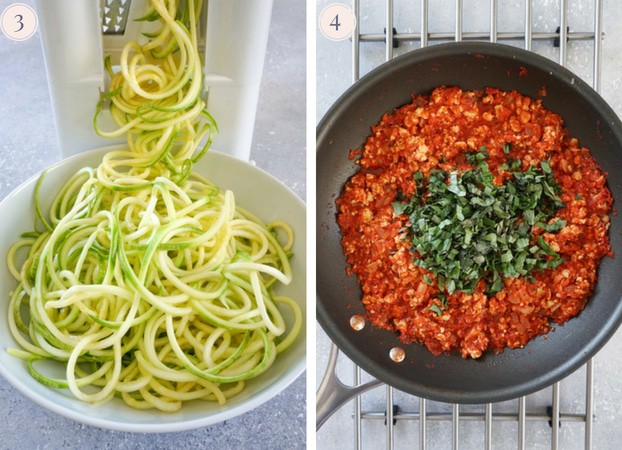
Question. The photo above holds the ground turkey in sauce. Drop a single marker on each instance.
(435, 132)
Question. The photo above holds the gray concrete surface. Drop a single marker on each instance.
(28, 144)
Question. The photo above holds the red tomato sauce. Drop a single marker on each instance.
(435, 132)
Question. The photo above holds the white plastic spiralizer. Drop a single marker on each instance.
(76, 35)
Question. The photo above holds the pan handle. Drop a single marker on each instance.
(333, 394)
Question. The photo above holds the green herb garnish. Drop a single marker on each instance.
(436, 309)
(464, 228)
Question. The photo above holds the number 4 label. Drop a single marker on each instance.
(337, 22)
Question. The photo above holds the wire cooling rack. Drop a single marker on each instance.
(412, 419)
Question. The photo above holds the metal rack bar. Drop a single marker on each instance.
(522, 417)
(458, 28)
(356, 9)
(475, 417)
(477, 36)
(357, 410)
(423, 37)
(528, 24)
(423, 420)
(563, 31)
(455, 421)
(488, 441)
(389, 417)
(589, 405)
(598, 31)
(493, 20)
(555, 418)
(389, 31)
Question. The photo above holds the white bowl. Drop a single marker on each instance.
(254, 190)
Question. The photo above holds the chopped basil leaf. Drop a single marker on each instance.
(506, 148)
(443, 299)
(464, 228)
(400, 207)
(436, 309)
(555, 226)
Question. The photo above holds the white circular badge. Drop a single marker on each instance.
(337, 22)
(18, 22)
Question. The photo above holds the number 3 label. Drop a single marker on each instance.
(18, 22)
(337, 22)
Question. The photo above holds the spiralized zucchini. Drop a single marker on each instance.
(147, 282)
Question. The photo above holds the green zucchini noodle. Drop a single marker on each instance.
(145, 280)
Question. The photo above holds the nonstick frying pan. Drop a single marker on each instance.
(450, 378)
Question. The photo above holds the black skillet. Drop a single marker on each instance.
(449, 378)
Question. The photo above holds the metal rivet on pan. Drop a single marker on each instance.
(357, 322)
(397, 354)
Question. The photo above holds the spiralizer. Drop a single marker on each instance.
(76, 36)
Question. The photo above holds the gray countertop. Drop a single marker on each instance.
(28, 144)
